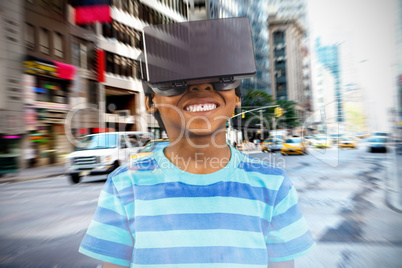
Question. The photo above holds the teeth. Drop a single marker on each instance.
(200, 107)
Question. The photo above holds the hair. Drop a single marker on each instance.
(157, 114)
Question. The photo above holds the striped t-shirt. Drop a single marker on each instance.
(152, 214)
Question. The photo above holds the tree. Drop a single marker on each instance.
(289, 116)
(257, 98)
(254, 99)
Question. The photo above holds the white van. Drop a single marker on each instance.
(104, 152)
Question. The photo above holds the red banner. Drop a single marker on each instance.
(92, 14)
(101, 62)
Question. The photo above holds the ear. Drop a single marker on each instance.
(238, 101)
(149, 105)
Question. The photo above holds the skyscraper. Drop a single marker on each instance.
(328, 56)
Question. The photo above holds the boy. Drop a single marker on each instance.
(198, 202)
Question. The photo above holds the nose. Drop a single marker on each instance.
(201, 87)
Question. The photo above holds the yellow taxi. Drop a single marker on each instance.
(347, 142)
(294, 145)
(151, 147)
(322, 141)
(308, 140)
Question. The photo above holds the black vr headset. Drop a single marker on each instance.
(218, 51)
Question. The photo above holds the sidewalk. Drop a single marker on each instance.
(34, 173)
(394, 182)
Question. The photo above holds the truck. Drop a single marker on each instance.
(102, 153)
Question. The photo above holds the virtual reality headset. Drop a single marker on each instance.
(218, 51)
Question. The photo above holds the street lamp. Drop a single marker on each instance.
(250, 111)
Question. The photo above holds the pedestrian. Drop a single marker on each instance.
(30, 156)
(199, 202)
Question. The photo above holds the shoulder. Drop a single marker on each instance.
(261, 173)
(134, 169)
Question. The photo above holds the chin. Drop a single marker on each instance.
(199, 132)
(205, 132)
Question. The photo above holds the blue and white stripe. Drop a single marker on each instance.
(244, 215)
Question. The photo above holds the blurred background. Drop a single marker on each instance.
(73, 68)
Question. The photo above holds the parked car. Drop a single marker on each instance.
(102, 153)
(271, 145)
(377, 144)
(335, 137)
(347, 142)
(322, 142)
(398, 146)
(308, 140)
(151, 147)
(382, 134)
(293, 146)
(362, 135)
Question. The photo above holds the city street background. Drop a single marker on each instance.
(330, 68)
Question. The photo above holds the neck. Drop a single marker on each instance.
(198, 154)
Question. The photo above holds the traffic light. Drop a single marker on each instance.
(278, 111)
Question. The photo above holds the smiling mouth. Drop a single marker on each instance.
(201, 107)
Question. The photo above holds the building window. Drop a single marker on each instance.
(126, 35)
(136, 8)
(116, 3)
(131, 39)
(138, 40)
(83, 56)
(93, 93)
(44, 41)
(117, 68)
(30, 36)
(58, 45)
(124, 5)
(44, 3)
(50, 91)
(107, 30)
(137, 70)
(109, 62)
(130, 7)
(116, 30)
(75, 48)
(58, 6)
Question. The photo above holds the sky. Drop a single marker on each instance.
(366, 32)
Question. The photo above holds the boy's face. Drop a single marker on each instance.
(200, 110)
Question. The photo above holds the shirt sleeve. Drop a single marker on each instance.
(108, 237)
(288, 235)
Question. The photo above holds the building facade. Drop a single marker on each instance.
(323, 87)
(48, 80)
(398, 104)
(11, 87)
(117, 102)
(297, 10)
(286, 57)
(63, 78)
(353, 105)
